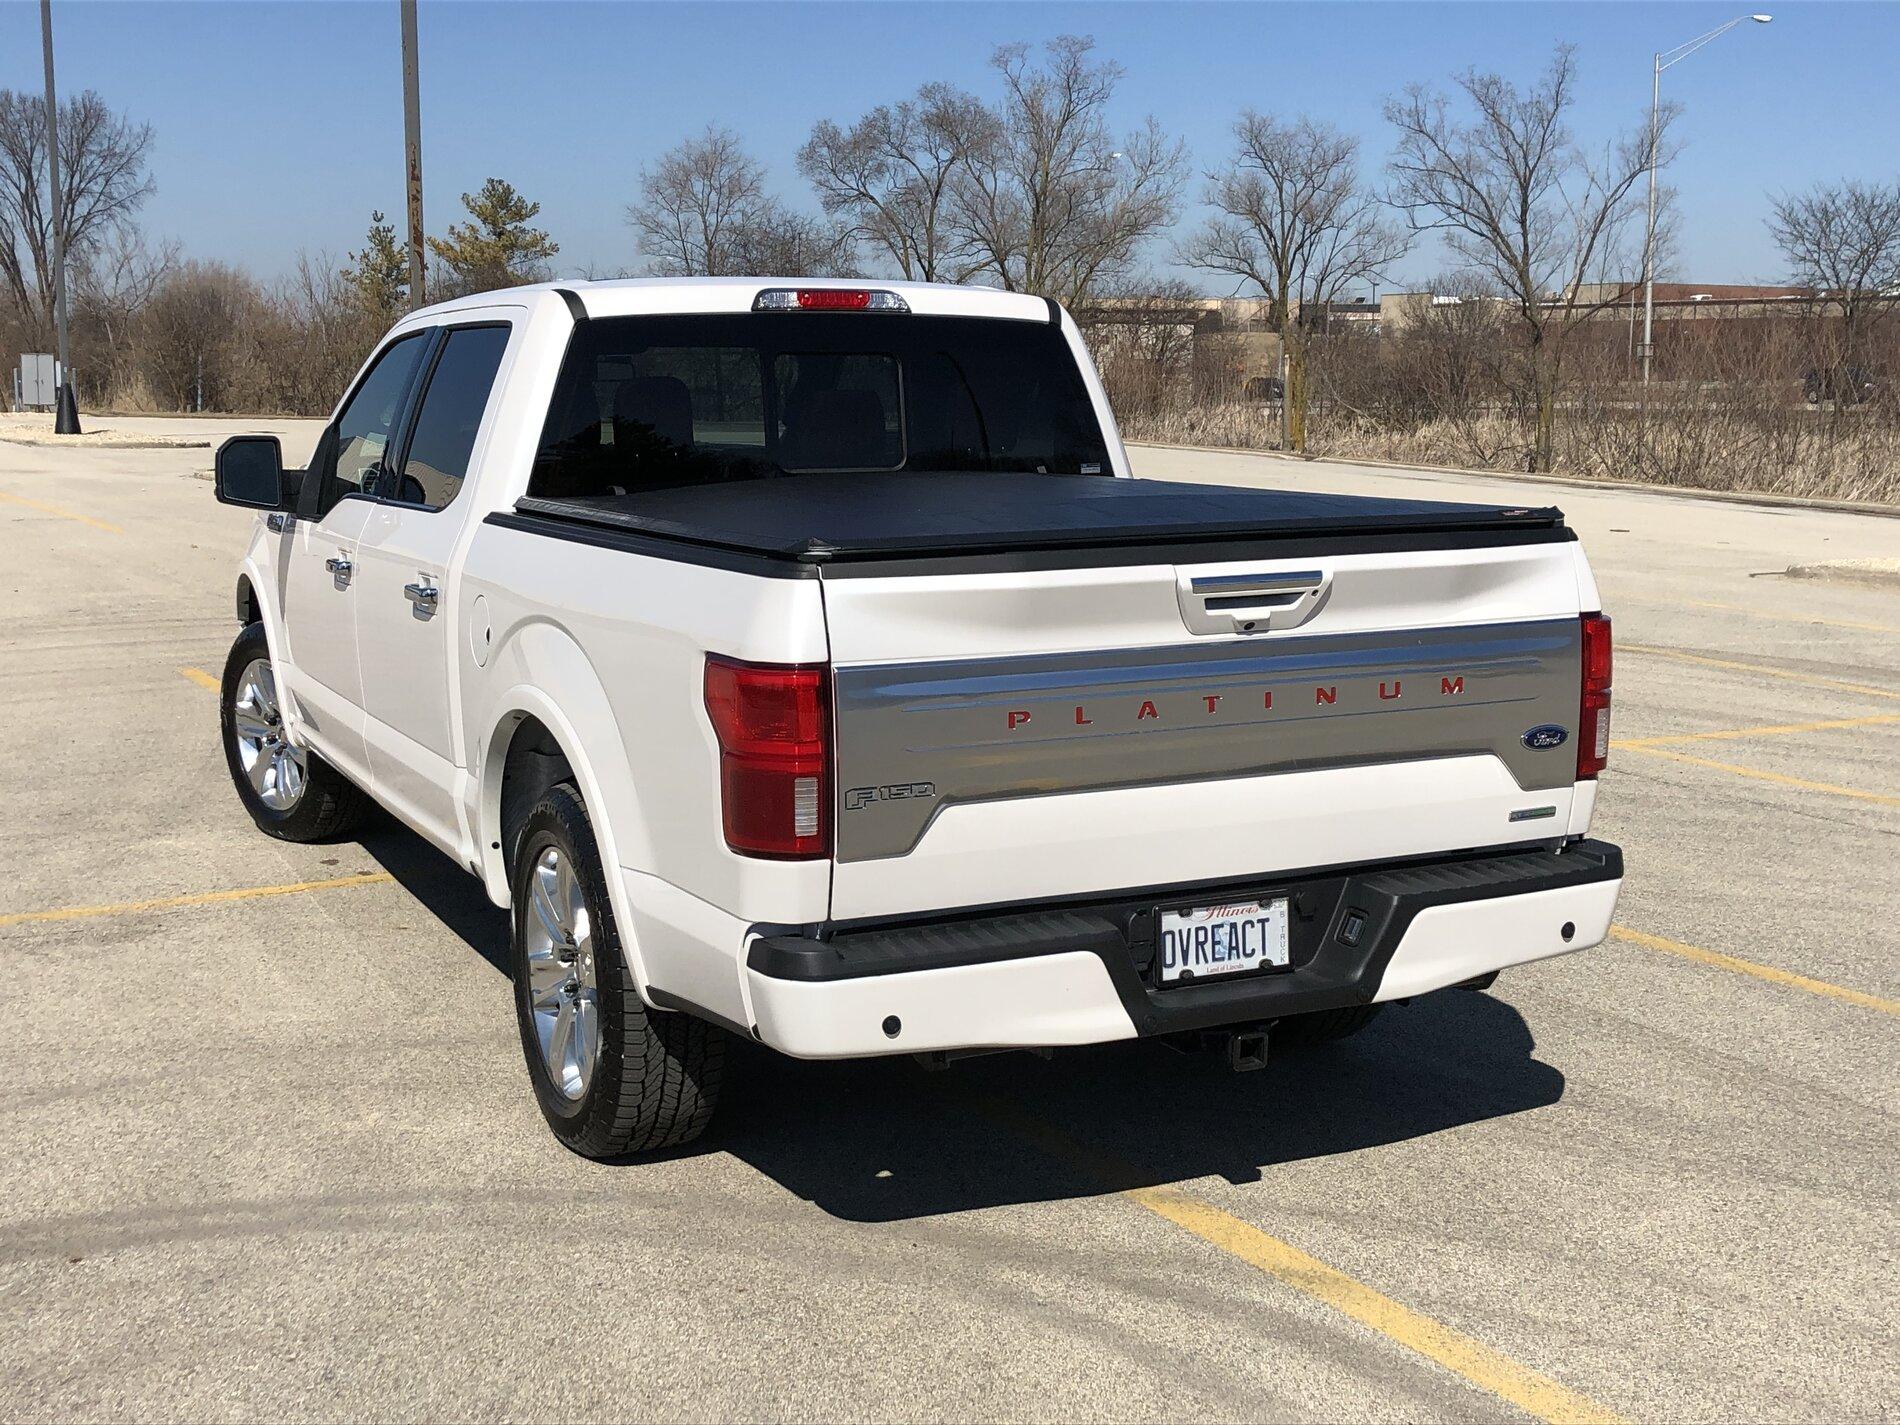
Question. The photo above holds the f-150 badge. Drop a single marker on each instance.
(857, 798)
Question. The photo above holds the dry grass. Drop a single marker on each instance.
(1852, 455)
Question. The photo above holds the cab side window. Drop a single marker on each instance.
(368, 422)
(449, 417)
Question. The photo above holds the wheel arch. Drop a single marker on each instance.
(254, 606)
(553, 729)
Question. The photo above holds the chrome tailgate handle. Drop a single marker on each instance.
(1250, 603)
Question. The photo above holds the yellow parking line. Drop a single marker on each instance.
(1480, 1365)
(242, 893)
(1530, 1391)
(1793, 618)
(56, 511)
(1731, 734)
(1800, 783)
(1813, 680)
(1760, 972)
(201, 678)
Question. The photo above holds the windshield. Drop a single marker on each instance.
(649, 403)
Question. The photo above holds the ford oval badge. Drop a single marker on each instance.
(1548, 735)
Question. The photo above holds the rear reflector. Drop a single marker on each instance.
(773, 723)
(828, 299)
(1593, 717)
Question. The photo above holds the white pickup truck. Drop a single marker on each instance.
(800, 661)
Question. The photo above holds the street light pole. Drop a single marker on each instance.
(1649, 227)
(412, 150)
(66, 408)
(1663, 59)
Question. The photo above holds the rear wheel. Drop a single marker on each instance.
(290, 792)
(1323, 1026)
(611, 1075)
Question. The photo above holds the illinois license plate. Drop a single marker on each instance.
(1213, 940)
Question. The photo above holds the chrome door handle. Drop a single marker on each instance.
(423, 596)
(341, 568)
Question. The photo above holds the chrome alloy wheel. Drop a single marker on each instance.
(562, 992)
(276, 769)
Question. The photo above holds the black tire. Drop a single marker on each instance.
(1297, 1031)
(657, 1077)
(331, 806)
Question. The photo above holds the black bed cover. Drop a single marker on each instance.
(828, 518)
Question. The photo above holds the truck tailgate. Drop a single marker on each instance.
(1010, 734)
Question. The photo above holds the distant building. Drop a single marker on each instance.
(1592, 293)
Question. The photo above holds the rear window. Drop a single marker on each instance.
(647, 403)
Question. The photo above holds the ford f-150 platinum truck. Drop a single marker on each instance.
(799, 660)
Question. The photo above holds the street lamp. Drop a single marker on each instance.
(65, 404)
(1664, 59)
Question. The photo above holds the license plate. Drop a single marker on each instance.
(1231, 939)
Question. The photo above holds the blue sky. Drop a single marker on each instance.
(279, 126)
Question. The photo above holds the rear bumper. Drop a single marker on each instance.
(1086, 974)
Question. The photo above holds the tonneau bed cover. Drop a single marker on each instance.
(821, 519)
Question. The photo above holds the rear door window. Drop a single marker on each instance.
(449, 417)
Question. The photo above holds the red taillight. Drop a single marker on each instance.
(773, 723)
(833, 299)
(828, 299)
(1593, 717)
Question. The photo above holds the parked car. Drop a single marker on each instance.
(800, 662)
(1848, 385)
(1264, 388)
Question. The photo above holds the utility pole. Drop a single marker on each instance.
(66, 417)
(412, 136)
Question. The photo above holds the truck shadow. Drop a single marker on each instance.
(445, 890)
(884, 1140)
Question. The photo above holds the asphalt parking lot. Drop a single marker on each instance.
(268, 1150)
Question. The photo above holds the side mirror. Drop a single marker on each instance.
(250, 472)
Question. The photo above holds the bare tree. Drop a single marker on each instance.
(1142, 337)
(704, 212)
(189, 335)
(1294, 221)
(1050, 205)
(776, 240)
(322, 329)
(1843, 240)
(1530, 212)
(103, 183)
(1455, 353)
(890, 176)
(112, 284)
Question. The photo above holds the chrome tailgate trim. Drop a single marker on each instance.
(916, 737)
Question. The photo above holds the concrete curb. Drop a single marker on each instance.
(87, 442)
(1881, 573)
(1688, 492)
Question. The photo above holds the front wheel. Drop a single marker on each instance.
(612, 1077)
(290, 792)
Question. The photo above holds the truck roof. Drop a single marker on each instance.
(649, 296)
